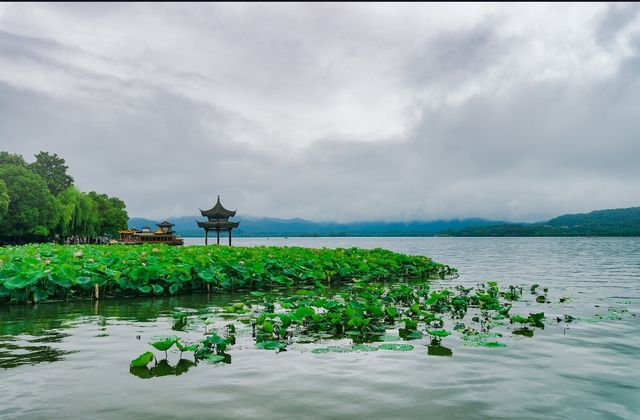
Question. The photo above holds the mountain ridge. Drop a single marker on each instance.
(608, 222)
(271, 226)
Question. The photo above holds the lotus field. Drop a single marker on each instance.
(367, 314)
(35, 273)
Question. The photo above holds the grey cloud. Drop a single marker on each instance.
(247, 101)
(616, 19)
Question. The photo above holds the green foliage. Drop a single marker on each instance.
(358, 311)
(77, 214)
(4, 200)
(29, 213)
(164, 343)
(395, 347)
(110, 212)
(65, 270)
(143, 359)
(52, 169)
(7, 158)
(31, 210)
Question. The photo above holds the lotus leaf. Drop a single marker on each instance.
(142, 360)
(163, 343)
(271, 345)
(396, 347)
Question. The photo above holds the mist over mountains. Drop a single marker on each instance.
(611, 222)
(268, 226)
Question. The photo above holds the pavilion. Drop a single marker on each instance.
(218, 220)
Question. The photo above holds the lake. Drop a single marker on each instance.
(72, 359)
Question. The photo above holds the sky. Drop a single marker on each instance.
(331, 112)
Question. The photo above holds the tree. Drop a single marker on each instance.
(4, 200)
(77, 214)
(32, 210)
(7, 158)
(53, 170)
(111, 212)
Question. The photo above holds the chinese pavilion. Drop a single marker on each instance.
(218, 219)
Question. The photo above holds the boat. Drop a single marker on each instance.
(163, 235)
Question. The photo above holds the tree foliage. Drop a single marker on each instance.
(32, 210)
(77, 216)
(111, 213)
(39, 202)
(53, 170)
(4, 200)
(7, 158)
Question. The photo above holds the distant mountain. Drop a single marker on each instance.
(267, 226)
(614, 222)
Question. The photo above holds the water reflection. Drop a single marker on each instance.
(438, 350)
(31, 334)
(163, 368)
(13, 355)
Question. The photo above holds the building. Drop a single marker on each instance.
(163, 235)
(218, 220)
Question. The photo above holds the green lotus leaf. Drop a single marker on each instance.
(144, 289)
(39, 295)
(364, 347)
(396, 347)
(190, 347)
(439, 333)
(216, 339)
(142, 360)
(163, 343)
(389, 338)
(215, 358)
(19, 282)
(271, 345)
(332, 349)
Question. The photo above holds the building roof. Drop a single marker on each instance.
(165, 224)
(218, 212)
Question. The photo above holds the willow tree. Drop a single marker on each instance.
(77, 214)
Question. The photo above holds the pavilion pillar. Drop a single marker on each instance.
(218, 236)
(206, 236)
(230, 236)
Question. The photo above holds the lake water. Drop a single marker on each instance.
(72, 360)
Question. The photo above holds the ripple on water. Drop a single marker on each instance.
(588, 368)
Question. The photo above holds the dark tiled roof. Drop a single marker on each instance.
(218, 212)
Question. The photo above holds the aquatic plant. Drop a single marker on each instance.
(372, 316)
(34, 273)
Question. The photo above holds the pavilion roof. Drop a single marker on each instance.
(218, 212)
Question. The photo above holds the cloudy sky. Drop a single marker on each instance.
(331, 111)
